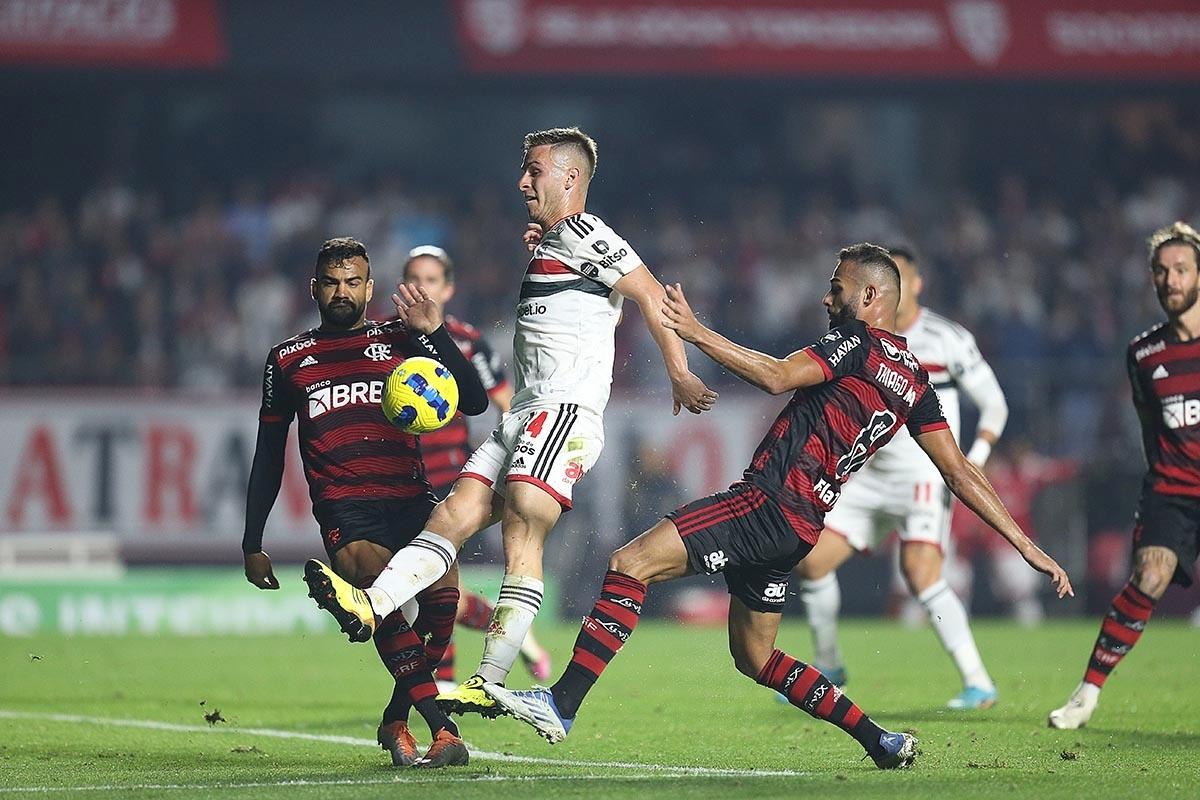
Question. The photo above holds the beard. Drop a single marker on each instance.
(1179, 304)
(340, 314)
(847, 312)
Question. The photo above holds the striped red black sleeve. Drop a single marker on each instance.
(927, 414)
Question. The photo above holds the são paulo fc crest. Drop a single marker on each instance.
(498, 26)
(981, 27)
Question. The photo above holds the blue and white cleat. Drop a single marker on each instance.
(899, 751)
(534, 706)
(972, 698)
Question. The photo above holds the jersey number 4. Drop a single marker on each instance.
(534, 428)
(881, 423)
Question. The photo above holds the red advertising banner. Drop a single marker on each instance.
(152, 33)
(1047, 39)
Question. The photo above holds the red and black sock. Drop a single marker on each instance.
(444, 671)
(604, 631)
(475, 612)
(403, 653)
(1122, 627)
(808, 690)
(435, 621)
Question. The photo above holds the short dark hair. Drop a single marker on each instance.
(556, 137)
(434, 252)
(1175, 233)
(875, 258)
(335, 251)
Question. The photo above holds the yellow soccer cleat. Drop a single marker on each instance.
(469, 697)
(348, 604)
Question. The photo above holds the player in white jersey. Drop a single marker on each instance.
(898, 490)
(523, 475)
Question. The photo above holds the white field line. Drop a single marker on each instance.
(645, 770)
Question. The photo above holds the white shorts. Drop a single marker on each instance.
(874, 503)
(551, 447)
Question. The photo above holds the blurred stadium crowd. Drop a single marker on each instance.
(114, 291)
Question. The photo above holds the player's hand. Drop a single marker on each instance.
(416, 309)
(678, 315)
(1037, 558)
(689, 392)
(258, 571)
(532, 236)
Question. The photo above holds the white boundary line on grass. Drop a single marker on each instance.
(644, 771)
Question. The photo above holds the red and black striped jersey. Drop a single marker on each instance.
(1164, 374)
(446, 450)
(332, 382)
(873, 386)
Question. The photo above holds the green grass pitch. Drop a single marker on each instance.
(124, 717)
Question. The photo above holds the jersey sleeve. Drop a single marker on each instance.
(276, 401)
(842, 351)
(977, 380)
(600, 253)
(487, 363)
(1139, 403)
(927, 414)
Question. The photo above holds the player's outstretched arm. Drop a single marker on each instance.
(771, 374)
(969, 485)
(687, 390)
(422, 315)
(266, 476)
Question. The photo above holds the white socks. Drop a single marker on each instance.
(415, 566)
(823, 603)
(518, 603)
(949, 619)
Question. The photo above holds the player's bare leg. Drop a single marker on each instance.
(529, 515)
(921, 566)
(752, 637)
(470, 507)
(1153, 569)
(823, 601)
(400, 649)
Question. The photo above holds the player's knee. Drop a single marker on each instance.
(1151, 579)
(623, 560)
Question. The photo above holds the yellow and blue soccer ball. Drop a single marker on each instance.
(420, 396)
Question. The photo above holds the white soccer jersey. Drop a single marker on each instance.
(568, 313)
(948, 352)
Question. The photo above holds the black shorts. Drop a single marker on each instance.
(391, 524)
(1173, 522)
(742, 533)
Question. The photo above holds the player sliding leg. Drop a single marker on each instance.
(660, 555)
(822, 597)
(403, 652)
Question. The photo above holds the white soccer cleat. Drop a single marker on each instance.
(1078, 710)
(534, 707)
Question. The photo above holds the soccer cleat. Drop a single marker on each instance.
(534, 706)
(899, 751)
(397, 739)
(447, 750)
(348, 604)
(536, 659)
(973, 697)
(1078, 710)
(468, 698)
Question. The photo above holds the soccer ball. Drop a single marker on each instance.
(420, 396)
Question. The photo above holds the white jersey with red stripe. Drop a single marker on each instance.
(567, 316)
(948, 353)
